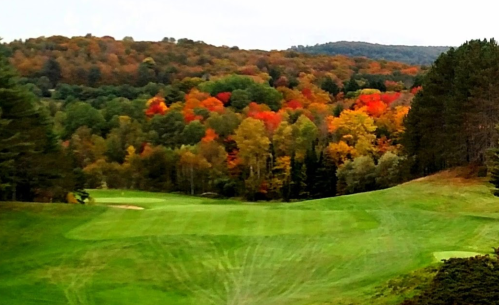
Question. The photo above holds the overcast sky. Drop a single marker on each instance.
(256, 24)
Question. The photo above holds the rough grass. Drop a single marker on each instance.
(187, 250)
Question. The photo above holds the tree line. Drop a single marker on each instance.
(98, 61)
(416, 55)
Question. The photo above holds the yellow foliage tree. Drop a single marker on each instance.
(341, 152)
(356, 128)
(253, 144)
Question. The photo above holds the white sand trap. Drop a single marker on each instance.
(454, 254)
(131, 200)
(128, 207)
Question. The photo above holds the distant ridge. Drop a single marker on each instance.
(417, 55)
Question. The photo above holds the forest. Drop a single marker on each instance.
(416, 55)
(184, 116)
(189, 117)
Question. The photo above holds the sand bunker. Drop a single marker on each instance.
(454, 254)
(128, 207)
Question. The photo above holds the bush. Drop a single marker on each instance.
(389, 171)
(357, 176)
(226, 187)
(463, 281)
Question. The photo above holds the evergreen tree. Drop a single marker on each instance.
(351, 86)
(452, 121)
(94, 76)
(326, 180)
(31, 160)
(52, 70)
(330, 86)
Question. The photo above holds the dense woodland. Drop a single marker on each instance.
(286, 126)
(94, 62)
(418, 55)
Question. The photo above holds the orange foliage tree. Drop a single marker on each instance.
(156, 105)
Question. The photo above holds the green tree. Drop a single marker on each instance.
(227, 84)
(94, 76)
(52, 70)
(167, 130)
(128, 134)
(389, 170)
(82, 114)
(223, 124)
(357, 176)
(329, 85)
(351, 86)
(264, 94)
(31, 160)
(193, 133)
(306, 135)
(321, 175)
(240, 99)
(45, 85)
(145, 75)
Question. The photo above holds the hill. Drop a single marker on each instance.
(96, 61)
(187, 250)
(416, 55)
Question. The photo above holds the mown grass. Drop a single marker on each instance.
(188, 250)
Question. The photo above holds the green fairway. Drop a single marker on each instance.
(189, 250)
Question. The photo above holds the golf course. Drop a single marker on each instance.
(153, 248)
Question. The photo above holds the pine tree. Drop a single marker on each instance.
(52, 70)
(452, 121)
(330, 86)
(325, 179)
(31, 160)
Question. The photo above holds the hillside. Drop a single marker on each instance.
(416, 55)
(187, 250)
(95, 61)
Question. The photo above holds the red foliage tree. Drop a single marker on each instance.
(224, 97)
(294, 104)
(376, 108)
(307, 93)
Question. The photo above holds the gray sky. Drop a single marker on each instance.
(256, 24)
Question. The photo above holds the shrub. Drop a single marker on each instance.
(463, 281)
(389, 170)
(357, 176)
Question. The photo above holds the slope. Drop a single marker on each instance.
(187, 250)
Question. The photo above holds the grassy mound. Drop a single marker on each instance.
(181, 250)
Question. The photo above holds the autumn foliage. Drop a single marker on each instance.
(224, 97)
(156, 105)
(191, 117)
(108, 61)
(210, 136)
